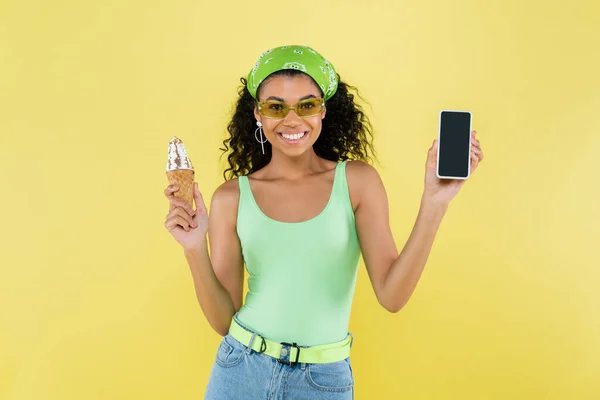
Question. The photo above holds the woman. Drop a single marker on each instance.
(304, 206)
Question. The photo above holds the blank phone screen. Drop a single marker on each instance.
(454, 145)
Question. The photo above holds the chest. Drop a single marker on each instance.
(293, 201)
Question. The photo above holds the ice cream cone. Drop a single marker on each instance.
(180, 171)
(184, 179)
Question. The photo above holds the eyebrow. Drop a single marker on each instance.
(308, 96)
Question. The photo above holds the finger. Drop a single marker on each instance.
(174, 222)
(177, 202)
(477, 151)
(474, 163)
(183, 214)
(170, 190)
(475, 160)
(434, 147)
(171, 224)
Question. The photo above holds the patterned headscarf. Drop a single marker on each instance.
(301, 58)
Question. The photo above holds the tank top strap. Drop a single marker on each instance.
(340, 185)
(245, 191)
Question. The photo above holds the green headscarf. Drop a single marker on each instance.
(301, 58)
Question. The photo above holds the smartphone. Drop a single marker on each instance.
(454, 145)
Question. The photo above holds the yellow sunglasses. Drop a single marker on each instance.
(279, 110)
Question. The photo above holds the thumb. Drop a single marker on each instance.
(432, 155)
(434, 148)
(198, 198)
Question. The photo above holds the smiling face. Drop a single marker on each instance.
(292, 135)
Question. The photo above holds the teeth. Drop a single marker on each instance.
(293, 137)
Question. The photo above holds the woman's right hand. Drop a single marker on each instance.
(188, 226)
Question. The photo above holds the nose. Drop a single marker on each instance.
(292, 119)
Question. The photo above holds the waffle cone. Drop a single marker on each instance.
(184, 179)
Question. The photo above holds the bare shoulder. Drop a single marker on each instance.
(361, 173)
(228, 189)
(361, 177)
(226, 197)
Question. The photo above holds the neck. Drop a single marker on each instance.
(283, 166)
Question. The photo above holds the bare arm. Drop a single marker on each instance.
(218, 278)
(394, 276)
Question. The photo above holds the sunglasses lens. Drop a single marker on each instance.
(304, 108)
(273, 109)
(309, 107)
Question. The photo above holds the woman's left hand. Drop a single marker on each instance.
(444, 190)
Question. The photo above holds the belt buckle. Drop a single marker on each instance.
(290, 363)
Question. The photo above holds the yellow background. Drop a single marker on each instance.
(96, 300)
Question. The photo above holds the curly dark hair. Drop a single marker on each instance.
(346, 132)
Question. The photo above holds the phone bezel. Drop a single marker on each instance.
(437, 168)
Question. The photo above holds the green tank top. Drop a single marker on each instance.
(302, 275)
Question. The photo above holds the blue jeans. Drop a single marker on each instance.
(240, 373)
